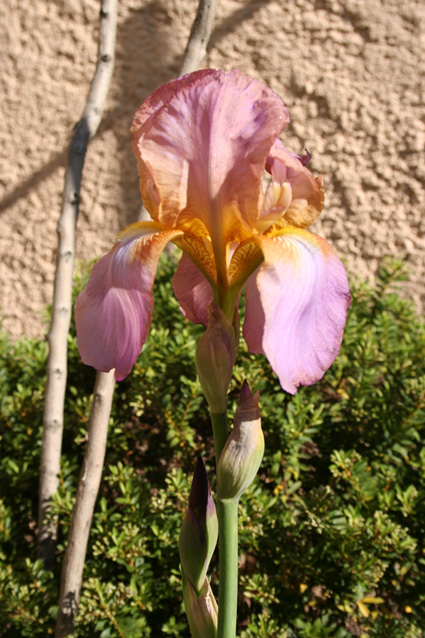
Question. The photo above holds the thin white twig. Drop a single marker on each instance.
(88, 487)
(72, 570)
(62, 296)
(200, 34)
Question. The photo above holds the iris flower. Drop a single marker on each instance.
(204, 144)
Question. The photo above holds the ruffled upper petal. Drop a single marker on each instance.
(307, 191)
(113, 313)
(143, 120)
(201, 148)
(296, 306)
(161, 96)
(193, 291)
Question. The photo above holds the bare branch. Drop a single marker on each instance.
(88, 487)
(62, 296)
(200, 34)
(72, 570)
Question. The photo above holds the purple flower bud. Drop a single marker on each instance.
(199, 532)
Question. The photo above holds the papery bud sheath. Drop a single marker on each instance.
(201, 610)
(215, 356)
(242, 454)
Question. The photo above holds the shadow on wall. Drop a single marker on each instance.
(144, 61)
(142, 52)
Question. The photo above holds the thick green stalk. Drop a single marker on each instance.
(227, 512)
(219, 423)
(228, 567)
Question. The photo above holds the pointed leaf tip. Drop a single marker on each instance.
(245, 392)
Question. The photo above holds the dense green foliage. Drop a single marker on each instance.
(331, 532)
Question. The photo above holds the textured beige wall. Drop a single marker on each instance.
(350, 71)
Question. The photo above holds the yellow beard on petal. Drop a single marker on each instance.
(195, 248)
(138, 229)
(246, 258)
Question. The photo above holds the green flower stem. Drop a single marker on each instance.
(219, 424)
(228, 567)
(227, 512)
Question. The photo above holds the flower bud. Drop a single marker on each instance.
(199, 532)
(201, 611)
(215, 356)
(242, 454)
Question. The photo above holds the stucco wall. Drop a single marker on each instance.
(350, 72)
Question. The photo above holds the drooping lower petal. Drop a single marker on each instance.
(193, 291)
(296, 306)
(113, 313)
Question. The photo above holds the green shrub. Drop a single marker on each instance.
(331, 532)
